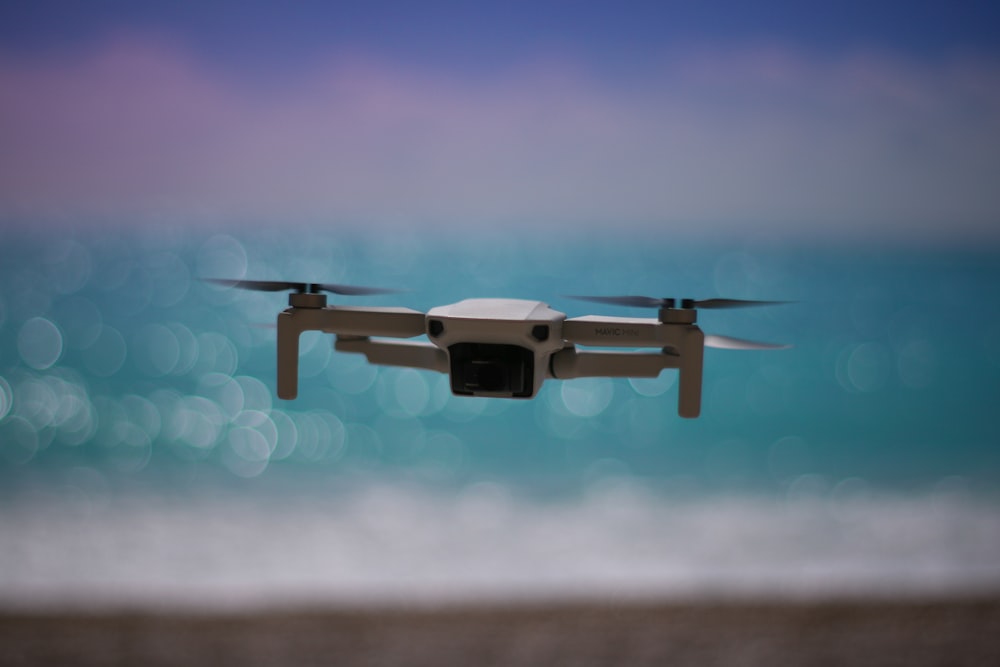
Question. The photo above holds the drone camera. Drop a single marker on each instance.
(491, 369)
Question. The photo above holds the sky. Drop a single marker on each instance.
(700, 119)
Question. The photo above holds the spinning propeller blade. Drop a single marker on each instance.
(729, 343)
(719, 304)
(258, 285)
(722, 342)
(355, 290)
(653, 302)
(634, 301)
(281, 286)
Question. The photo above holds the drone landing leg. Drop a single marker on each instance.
(289, 330)
(691, 363)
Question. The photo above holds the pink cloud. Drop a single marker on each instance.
(755, 137)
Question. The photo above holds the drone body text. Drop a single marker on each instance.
(617, 332)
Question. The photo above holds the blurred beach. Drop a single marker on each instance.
(215, 546)
(913, 633)
(396, 573)
(329, 571)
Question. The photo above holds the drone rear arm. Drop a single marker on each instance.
(408, 354)
(571, 363)
(359, 322)
(686, 355)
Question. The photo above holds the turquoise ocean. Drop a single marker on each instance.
(146, 461)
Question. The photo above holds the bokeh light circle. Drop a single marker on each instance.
(35, 401)
(143, 413)
(156, 350)
(171, 277)
(261, 423)
(198, 422)
(216, 353)
(224, 391)
(69, 266)
(411, 391)
(222, 256)
(133, 449)
(247, 453)
(39, 343)
(18, 440)
(587, 397)
(315, 350)
(651, 387)
(867, 367)
(107, 354)
(80, 320)
(6, 398)
(352, 374)
(287, 435)
(256, 395)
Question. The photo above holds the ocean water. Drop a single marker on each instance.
(145, 460)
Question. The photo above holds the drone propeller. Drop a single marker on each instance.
(651, 302)
(301, 288)
(729, 343)
(720, 342)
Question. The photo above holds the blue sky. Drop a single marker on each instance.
(484, 33)
(857, 118)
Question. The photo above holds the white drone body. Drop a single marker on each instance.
(503, 348)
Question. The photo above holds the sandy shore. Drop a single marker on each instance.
(957, 632)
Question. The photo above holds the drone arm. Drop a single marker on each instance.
(408, 354)
(570, 363)
(613, 331)
(388, 322)
(391, 322)
(685, 353)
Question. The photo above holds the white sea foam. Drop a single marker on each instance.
(389, 544)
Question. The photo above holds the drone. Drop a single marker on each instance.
(504, 348)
